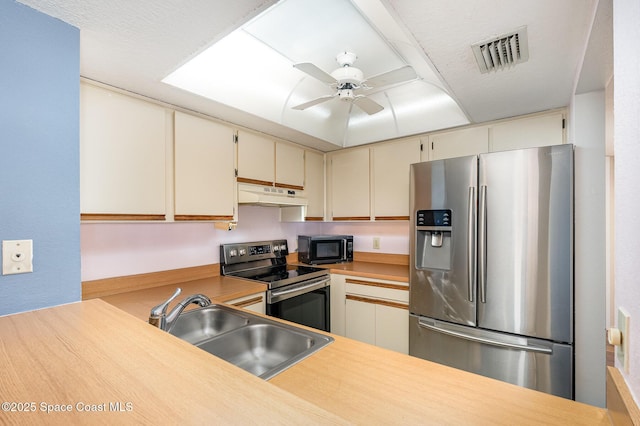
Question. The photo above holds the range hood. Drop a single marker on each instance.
(270, 196)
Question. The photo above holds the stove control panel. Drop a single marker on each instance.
(247, 252)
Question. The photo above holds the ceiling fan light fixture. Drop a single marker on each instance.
(346, 95)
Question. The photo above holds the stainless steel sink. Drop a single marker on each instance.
(199, 325)
(256, 344)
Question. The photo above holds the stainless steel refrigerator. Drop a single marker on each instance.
(491, 266)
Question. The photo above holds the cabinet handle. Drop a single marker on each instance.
(377, 302)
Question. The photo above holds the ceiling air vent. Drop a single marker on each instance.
(503, 51)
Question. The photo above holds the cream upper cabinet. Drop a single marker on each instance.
(289, 166)
(256, 159)
(391, 178)
(457, 143)
(123, 144)
(314, 185)
(204, 169)
(350, 180)
(528, 132)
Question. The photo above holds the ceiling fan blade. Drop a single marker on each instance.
(391, 77)
(367, 105)
(315, 72)
(314, 102)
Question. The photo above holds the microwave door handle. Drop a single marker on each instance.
(344, 249)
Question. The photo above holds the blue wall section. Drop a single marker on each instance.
(39, 155)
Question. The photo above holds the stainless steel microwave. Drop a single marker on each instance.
(316, 249)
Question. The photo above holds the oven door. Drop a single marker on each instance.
(306, 303)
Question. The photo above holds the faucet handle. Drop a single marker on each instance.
(161, 309)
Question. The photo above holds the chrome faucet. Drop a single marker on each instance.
(159, 317)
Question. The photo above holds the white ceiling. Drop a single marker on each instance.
(134, 45)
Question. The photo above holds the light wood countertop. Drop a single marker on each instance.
(91, 355)
(382, 271)
(366, 384)
(219, 289)
(355, 381)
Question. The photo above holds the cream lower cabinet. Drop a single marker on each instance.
(337, 300)
(377, 312)
(253, 302)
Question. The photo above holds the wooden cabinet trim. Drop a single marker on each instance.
(313, 219)
(184, 217)
(391, 217)
(248, 302)
(118, 216)
(352, 218)
(376, 284)
(254, 181)
(287, 186)
(377, 301)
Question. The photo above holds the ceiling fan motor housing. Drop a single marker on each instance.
(350, 75)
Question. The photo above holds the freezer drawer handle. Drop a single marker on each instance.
(471, 244)
(529, 348)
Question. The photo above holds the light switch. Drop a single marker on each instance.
(17, 256)
(622, 350)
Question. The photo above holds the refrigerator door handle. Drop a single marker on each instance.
(493, 342)
(482, 244)
(472, 264)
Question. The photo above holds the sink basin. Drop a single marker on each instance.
(259, 345)
(198, 325)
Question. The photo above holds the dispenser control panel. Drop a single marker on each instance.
(433, 218)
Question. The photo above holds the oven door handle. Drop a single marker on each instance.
(275, 296)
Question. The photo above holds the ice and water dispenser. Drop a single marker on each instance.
(433, 239)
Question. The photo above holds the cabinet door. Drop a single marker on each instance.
(459, 143)
(350, 185)
(204, 169)
(256, 159)
(360, 321)
(392, 328)
(314, 185)
(254, 303)
(391, 178)
(338, 304)
(122, 156)
(289, 166)
(531, 132)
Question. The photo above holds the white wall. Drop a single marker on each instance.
(626, 62)
(118, 249)
(588, 136)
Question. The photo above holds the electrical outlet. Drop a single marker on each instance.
(622, 350)
(17, 256)
(376, 243)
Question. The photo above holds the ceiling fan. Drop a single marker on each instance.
(349, 82)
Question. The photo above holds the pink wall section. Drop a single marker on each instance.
(118, 249)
